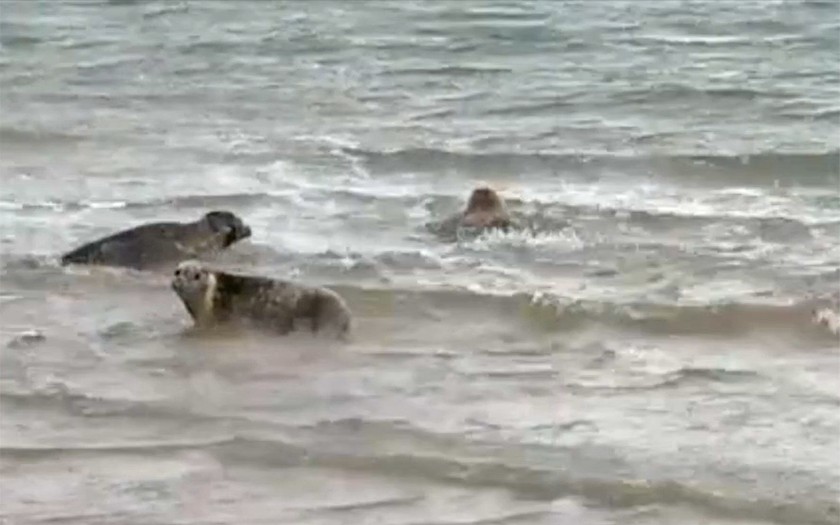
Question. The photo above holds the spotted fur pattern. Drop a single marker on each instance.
(213, 297)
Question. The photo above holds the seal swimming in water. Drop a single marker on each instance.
(156, 244)
(215, 297)
(485, 210)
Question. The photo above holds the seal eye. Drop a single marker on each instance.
(196, 276)
(178, 272)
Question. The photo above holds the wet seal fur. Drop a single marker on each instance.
(214, 298)
(156, 244)
(485, 210)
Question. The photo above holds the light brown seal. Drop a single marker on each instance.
(160, 243)
(214, 297)
(485, 210)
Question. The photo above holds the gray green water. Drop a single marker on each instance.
(646, 357)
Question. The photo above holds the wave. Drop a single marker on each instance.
(681, 377)
(177, 202)
(10, 135)
(143, 447)
(537, 472)
(160, 11)
(18, 34)
(90, 406)
(534, 108)
(546, 311)
(28, 262)
(449, 71)
(829, 319)
(716, 222)
(499, 13)
(761, 169)
(720, 375)
(704, 40)
(680, 92)
(24, 339)
(540, 309)
(728, 319)
(766, 225)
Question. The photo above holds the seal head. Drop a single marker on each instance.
(197, 287)
(485, 209)
(228, 225)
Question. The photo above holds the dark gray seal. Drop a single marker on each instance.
(156, 244)
(214, 298)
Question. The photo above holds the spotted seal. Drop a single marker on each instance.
(155, 244)
(214, 298)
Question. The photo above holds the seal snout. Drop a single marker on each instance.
(175, 282)
(184, 274)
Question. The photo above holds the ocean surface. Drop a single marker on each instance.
(644, 354)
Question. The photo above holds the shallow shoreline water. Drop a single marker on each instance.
(645, 353)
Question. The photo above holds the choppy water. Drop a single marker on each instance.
(647, 356)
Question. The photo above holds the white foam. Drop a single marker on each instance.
(682, 202)
(829, 319)
(494, 239)
(697, 39)
(105, 205)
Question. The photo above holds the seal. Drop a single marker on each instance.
(485, 210)
(214, 298)
(160, 243)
